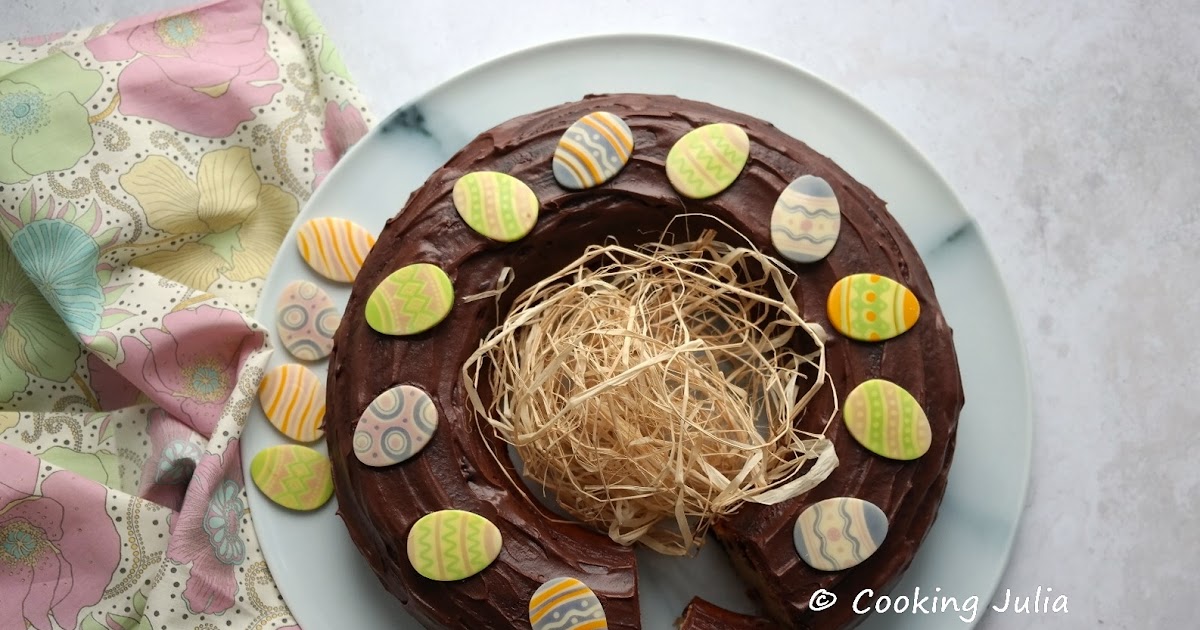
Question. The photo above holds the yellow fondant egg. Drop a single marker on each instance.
(333, 247)
(293, 399)
(871, 307)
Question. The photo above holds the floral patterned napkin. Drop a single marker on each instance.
(148, 173)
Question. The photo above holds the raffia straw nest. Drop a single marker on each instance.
(654, 389)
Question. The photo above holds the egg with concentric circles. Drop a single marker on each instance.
(306, 319)
(395, 426)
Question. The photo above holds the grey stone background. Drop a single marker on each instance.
(1070, 130)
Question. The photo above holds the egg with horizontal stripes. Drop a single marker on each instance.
(395, 426)
(806, 220)
(592, 151)
(410, 300)
(707, 160)
(333, 247)
(293, 399)
(839, 533)
(871, 307)
(887, 420)
(452, 545)
(306, 319)
(294, 476)
(565, 603)
(496, 205)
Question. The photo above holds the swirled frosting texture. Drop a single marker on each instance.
(458, 471)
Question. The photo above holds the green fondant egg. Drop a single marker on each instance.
(887, 420)
(705, 161)
(452, 545)
(411, 300)
(294, 476)
(498, 206)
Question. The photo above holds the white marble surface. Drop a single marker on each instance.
(1070, 130)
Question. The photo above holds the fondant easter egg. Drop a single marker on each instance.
(395, 426)
(839, 533)
(566, 604)
(593, 150)
(293, 399)
(293, 476)
(412, 299)
(498, 206)
(334, 248)
(887, 420)
(870, 307)
(705, 161)
(806, 220)
(306, 318)
(452, 545)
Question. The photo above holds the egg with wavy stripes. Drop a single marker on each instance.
(707, 160)
(293, 399)
(839, 533)
(452, 545)
(294, 476)
(887, 420)
(395, 426)
(806, 220)
(333, 247)
(411, 300)
(306, 319)
(871, 307)
(592, 151)
(566, 604)
(496, 205)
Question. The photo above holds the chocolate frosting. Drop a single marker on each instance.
(457, 470)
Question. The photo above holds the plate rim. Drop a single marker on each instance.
(784, 67)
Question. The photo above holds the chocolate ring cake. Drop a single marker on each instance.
(904, 476)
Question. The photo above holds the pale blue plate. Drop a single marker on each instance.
(327, 584)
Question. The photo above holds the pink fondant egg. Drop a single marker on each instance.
(395, 426)
(306, 319)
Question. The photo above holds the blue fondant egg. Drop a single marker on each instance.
(593, 150)
(566, 604)
(839, 533)
(806, 220)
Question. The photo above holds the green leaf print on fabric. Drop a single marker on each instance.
(101, 466)
(124, 622)
(43, 122)
(33, 338)
(301, 17)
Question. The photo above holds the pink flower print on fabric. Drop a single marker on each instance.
(190, 365)
(207, 532)
(58, 545)
(202, 72)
